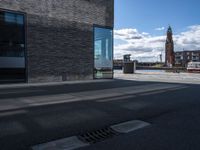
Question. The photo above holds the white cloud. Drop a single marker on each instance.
(145, 47)
(128, 34)
(160, 29)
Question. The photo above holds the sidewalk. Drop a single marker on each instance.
(22, 101)
(187, 78)
(167, 77)
(23, 85)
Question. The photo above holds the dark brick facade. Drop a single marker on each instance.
(60, 36)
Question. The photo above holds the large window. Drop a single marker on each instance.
(103, 52)
(12, 40)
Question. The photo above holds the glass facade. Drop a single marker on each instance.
(103, 53)
(12, 40)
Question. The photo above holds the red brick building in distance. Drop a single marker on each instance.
(169, 49)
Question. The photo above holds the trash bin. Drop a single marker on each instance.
(129, 67)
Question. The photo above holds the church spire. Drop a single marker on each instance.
(169, 30)
(169, 34)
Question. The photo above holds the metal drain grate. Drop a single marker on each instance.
(98, 135)
(75, 142)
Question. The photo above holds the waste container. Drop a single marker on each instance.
(129, 67)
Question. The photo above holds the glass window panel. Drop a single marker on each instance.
(97, 49)
(10, 17)
(103, 39)
(14, 18)
(20, 19)
(12, 39)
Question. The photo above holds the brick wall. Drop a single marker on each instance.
(60, 36)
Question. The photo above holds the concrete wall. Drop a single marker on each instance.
(60, 36)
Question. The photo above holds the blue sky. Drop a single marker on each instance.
(150, 18)
(146, 15)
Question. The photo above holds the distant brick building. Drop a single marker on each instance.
(169, 49)
(183, 57)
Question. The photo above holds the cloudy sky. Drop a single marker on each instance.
(140, 27)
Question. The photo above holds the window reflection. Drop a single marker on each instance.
(103, 52)
(12, 40)
(14, 18)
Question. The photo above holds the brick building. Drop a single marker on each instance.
(169, 49)
(183, 57)
(50, 40)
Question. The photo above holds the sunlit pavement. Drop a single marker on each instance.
(160, 76)
(34, 115)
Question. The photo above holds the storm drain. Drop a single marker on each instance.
(98, 135)
(75, 142)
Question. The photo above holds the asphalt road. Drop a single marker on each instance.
(173, 114)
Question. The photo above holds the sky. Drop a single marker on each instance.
(140, 27)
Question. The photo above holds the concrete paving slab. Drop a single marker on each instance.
(70, 143)
(130, 126)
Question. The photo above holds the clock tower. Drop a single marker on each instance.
(169, 49)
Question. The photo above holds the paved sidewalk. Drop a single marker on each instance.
(35, 101)
(185, 78)
(23, 85)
